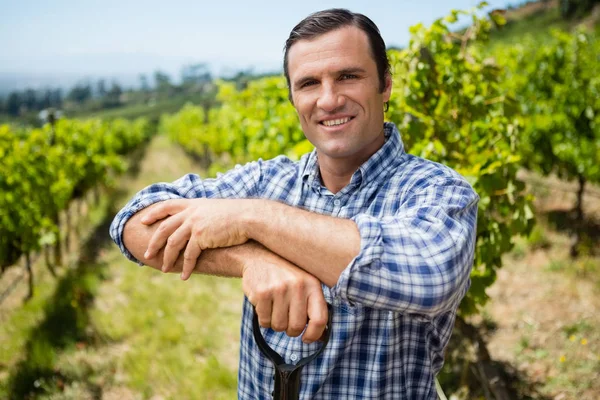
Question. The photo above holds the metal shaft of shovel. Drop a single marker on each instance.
(287, 376)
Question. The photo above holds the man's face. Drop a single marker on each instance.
(335, 89)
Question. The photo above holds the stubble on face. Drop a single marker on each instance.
(333, 79)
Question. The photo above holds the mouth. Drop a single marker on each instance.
(336, 122)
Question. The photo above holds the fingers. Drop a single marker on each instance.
(317, 318)
(175, 245)
(162, 234)
(190, 256)
(280, 313)
(297, 315)
(162, 210)
(263, 310)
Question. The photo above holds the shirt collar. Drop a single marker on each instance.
(390, 152)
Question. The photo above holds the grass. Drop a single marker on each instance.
(536, 25)
(64, 325)
(109, 329)
(178, 339)
(54, 320)
(181, 336)
(546, 306)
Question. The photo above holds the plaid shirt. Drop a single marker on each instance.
(394, 304)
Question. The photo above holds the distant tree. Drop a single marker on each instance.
(101, 88)
(113, 96)
(44, 99)
(13, 104)
(162, 82)
(115, 90)
(196, 74)
(576, 8)
(80, 93)
(144, 86)
(56, 98)
(241, 78)
(29, 100)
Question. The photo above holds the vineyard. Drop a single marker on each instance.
(489, 112)
(50, 168)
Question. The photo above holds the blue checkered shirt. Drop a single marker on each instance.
(395, 303)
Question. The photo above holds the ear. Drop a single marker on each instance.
(387, 91)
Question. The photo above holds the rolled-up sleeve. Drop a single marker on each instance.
(240, 182)
(419, 259)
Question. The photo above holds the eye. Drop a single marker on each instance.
(307, 83)
(348, 76)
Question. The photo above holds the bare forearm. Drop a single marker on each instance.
(319, 244)
(227, 262)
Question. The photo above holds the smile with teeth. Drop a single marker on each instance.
(336, 122)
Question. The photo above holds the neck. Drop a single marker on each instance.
(336, 177)
(337, 172)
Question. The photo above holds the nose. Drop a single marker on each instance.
(330, 99)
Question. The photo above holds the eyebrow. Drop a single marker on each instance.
(355, 70)
(352, 70)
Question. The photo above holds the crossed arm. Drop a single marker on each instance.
(281, 253)
(414, 261)
(308, 240)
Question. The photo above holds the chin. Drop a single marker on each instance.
(337, 152)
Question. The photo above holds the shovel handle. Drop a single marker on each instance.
(287, 376)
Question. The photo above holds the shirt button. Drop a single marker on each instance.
(294, 357)
(337, 202)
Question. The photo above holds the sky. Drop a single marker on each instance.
(115, 38)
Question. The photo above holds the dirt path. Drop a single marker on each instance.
(546, 308)
(166, 338)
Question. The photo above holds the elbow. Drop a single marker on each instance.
(449, 282)
(135, 237)
(444, 297)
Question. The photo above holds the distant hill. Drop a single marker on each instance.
(10, 81)
(537, 18)
(533, 18)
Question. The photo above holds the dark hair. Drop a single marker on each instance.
(325, 21)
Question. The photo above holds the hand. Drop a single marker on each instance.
(196, 224)
(285, 297)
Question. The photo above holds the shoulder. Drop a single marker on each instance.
(280, 167)
(415, 174)
(263, 168)
(280, 163)
(281, 176)
(268, 175)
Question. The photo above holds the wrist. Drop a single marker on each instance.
(253, 217)
(245, 255)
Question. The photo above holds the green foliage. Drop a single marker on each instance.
(558, 87)
(187, 128)
(43, 169)
(256, 122)
(538, 239)
(452, 108)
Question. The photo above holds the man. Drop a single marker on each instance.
(385, 237)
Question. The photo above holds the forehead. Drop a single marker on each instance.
(335, 50)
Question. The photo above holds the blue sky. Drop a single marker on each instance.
(118, 37)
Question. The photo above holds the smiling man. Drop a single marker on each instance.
(386, 238)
